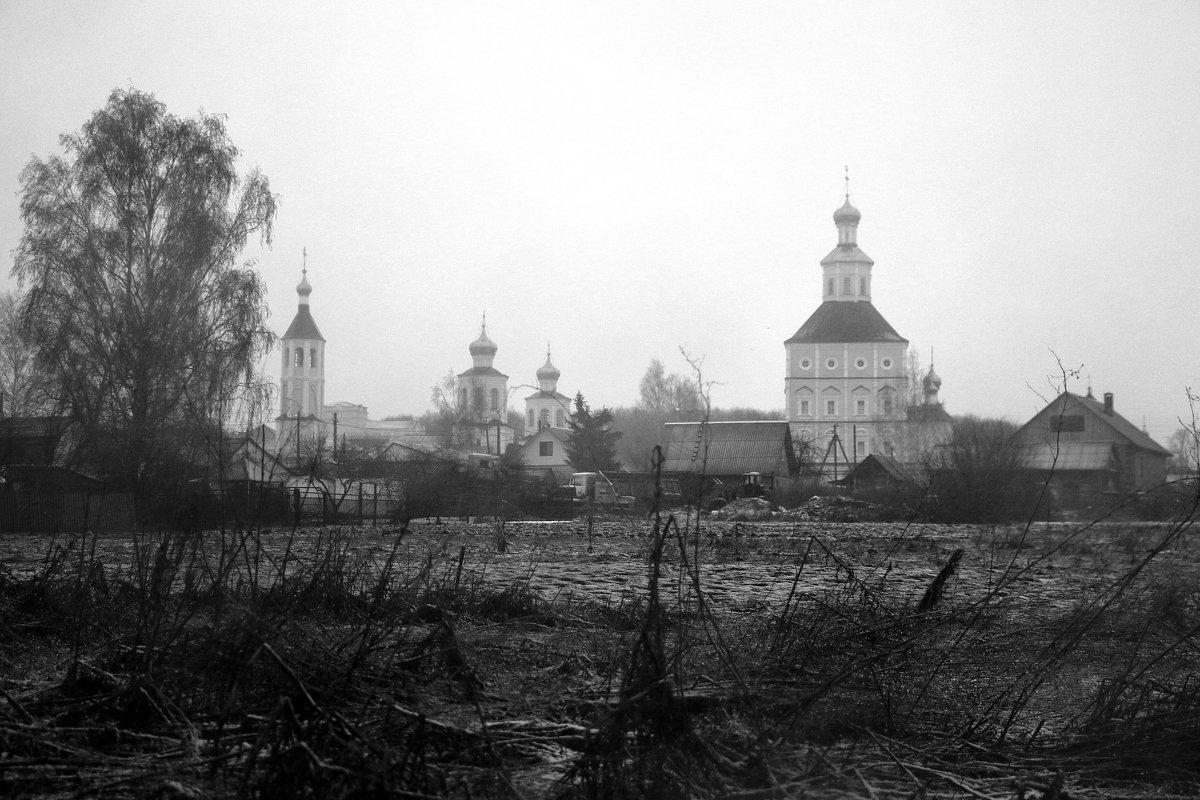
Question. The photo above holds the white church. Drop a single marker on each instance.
(846, 384)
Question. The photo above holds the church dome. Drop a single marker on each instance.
(304, 289)
(931, 382)
(483, 346)
(548, 372)
(847, 213)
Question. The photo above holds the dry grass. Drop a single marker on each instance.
(388, 663)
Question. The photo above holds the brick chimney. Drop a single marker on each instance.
(1108, 403)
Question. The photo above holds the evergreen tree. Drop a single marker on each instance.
(592, 446)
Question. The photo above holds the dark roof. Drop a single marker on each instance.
(303, 326)
(728, 448)
(488, 371)
(840, 321)
(928, 414)
(32, 440)
(875, 463)
(1123, 426)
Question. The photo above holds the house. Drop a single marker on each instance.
(729, 453)
(544, 455)
(1084, 448)
(878, 472)
(36, 440)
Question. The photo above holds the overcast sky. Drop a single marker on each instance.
(624, 179)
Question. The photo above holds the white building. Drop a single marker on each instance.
(846, 364)
(483, 400)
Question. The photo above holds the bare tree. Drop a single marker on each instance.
(25, 390)
(135, 304)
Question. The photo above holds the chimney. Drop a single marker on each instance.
(1108, 404)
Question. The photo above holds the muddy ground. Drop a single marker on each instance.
(520, 659)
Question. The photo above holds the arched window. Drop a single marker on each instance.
(544, 418)
(312, 357)
(477, 398)
(529, 419)
(462, 399)
(847, 288)
(862, 286)
(298, 360)
(560, 420)
(831, 286)
(495, 399)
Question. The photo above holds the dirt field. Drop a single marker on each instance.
(601, 660)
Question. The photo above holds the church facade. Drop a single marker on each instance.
(846, 384)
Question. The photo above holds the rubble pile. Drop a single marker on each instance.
(828, 508)
(831, 508)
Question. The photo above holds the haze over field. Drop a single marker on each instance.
(622, 179)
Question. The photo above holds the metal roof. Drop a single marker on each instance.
(728, 448)
(843, 321)
(303, 326)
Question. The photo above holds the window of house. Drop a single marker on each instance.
(860, 407)
(544, 418)
(1067, 423)
(860, 448)
(545, 448)
(299, 357)
(495, 399)
(862, 286)
(830, 408)
(886, 400)
(529, 418)
(560, 419)
(805, 409)
(831, 285)
(861, 363)
(312, 357)
(847, 287)
(477, 398)
(889, 449)
(831, 363)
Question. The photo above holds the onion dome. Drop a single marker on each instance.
(548, 372)
(483, 346)
(847, 213)
(931, 382)
(304, 289)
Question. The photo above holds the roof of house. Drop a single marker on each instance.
(1122, 426)
(31, 440)
(303, 326)
(840, 321)
(728, 448)
(896, 470)
(1070, 456)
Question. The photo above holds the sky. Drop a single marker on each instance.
(624, 181)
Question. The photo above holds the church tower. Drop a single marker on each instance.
(483, 398)
(302, 374)
(845, 367)
(547, 408)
